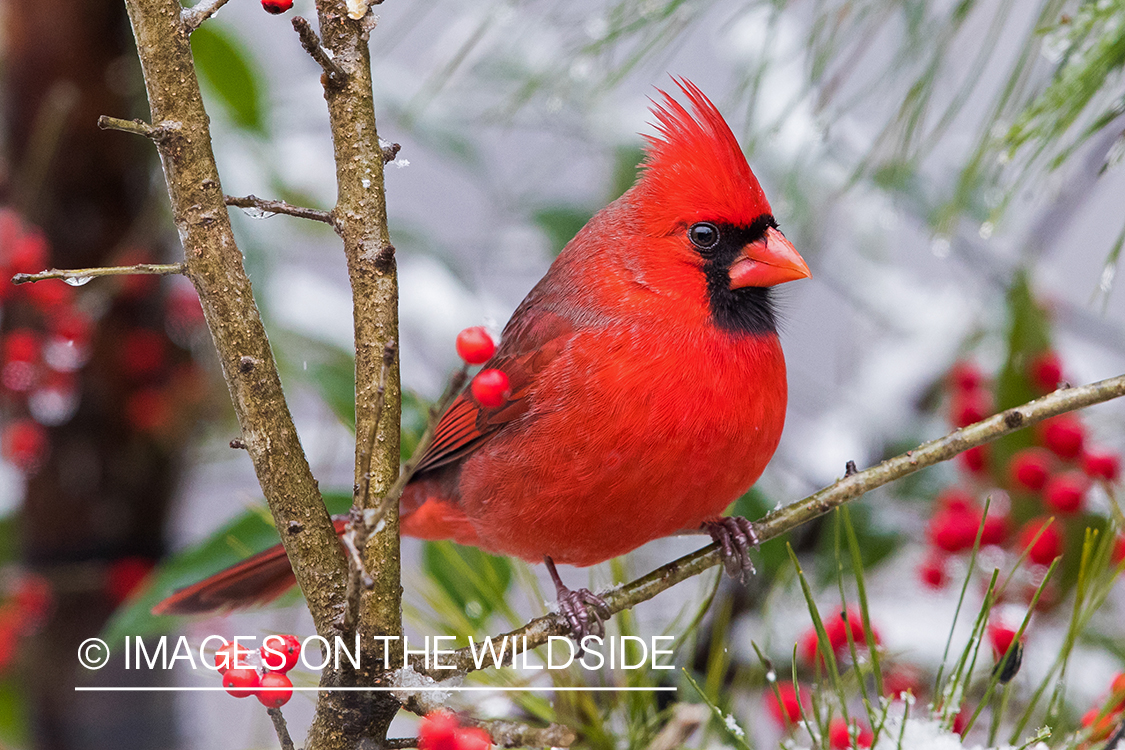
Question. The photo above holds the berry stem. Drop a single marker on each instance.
(281, 728)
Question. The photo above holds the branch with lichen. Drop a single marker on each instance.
(267, 206)
(853, 485)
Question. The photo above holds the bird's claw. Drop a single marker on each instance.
(735, 536)
(585, 612)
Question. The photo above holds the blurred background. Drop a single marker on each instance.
(950, 170)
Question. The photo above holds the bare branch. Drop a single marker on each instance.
(390, 151)
(780, 521)
(280, 207)
(138, 127)
(281, 728)
(311, 42)
(400, 742)
(514, 734)
(192, 17)
(79, 276)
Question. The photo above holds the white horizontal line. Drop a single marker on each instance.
(360, 689)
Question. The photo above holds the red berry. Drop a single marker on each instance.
(24, 443)
(954, 530)
(276, 6)
(836, 627)
(1065, 492)
(1029, 469)
(974, 460)
(21, 345)
(965, 376)
(276, 690)
(232, 656)
(125, 575)
(1117, 688)
(1103, 727)
(29, 253)
(995, 530)
(475, 346)
(1063, 435)
(1048, 546)
(787, 712)
(438, 731)
(932, 571)
(280, 653)
(969, 407)
(840, 738)
(960, 721)
(241, 682)
(1045, 371)
(1000, 636)
(1101, 465)
(491, 388)
(901, 678)
(1119, 550)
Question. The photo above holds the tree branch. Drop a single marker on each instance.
(79, 276)
(780, 521)
(280, 207)
(192, 17)
(214, 265)
(334, 74)
(138, 127)
(361, 221)
(281, 728)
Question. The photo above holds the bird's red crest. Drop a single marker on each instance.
(695, 170)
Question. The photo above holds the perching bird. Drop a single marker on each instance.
(648, 385)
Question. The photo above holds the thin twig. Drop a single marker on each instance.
(137, 127)
(80, 276)
(281, 728)
(514, 734)
(780, 521)
(280, 207)
(400, 742)
(192, 17)
(357, 531)
(456, 383)
(311, 42)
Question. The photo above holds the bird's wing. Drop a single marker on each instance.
(528, 346)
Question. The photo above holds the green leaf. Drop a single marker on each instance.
(227, 68)
(248, 533)
(475, 582)
(13, 714)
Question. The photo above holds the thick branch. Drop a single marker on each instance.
(779, 522)
(361, 221)
(214, 265)
(79, 276)
(279, 207)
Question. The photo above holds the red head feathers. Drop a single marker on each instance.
(695, 169)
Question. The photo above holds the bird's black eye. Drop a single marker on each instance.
(704, 235)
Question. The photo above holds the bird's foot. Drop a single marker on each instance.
(735, 536)
(585, 612)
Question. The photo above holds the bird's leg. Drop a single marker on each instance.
(735, 536)
(584, 611)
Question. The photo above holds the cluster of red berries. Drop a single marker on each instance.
(442, 730)
(50, 338)
(269, 680)
(490, 387)
(1052, 477)
(1104, 718)
(27, 602)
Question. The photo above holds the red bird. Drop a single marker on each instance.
(648, 386)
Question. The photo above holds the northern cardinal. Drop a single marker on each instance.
(648, 386)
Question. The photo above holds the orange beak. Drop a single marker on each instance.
(769, 261)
